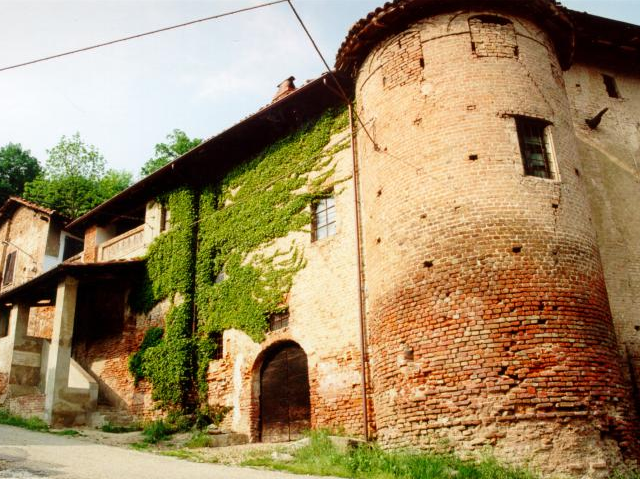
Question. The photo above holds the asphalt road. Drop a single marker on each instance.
(28, 455)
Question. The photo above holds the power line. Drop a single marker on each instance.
(152, 32)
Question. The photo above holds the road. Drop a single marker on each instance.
(30, 455)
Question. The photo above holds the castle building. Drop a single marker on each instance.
(453, 260)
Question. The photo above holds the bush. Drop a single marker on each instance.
(32, 423)
(156, 431)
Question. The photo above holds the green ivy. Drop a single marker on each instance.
(236, 285)
(152, 337)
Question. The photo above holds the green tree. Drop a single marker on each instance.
(178, 143)
(17, 167)
(74, 179)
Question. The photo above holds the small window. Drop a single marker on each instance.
(278, 321)
(165, 219)
(532, 134)
(9, 266)
(611, 86)
(324, 218)
(216, 338)
(4, 322)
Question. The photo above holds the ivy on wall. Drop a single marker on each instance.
(236, 284)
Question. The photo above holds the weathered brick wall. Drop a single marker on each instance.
(27, 229)
(488, 313)
(610, 157)
(106, 359)
(323, 320)
(40, 323)
(31, 405)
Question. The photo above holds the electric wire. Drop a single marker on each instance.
(140, 35)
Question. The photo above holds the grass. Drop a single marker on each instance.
(32, 423)
(320, 457)
(199, 439)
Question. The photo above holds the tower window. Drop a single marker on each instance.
(278, 321)
(611, 86)
(534, 147)
(9, 267)
(216, 338)
(324, 218)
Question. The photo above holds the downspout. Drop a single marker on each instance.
(361, 305)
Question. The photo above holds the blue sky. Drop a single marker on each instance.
(125, 98)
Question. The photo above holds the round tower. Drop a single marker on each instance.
(488, 317)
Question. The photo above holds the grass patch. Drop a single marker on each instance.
(140, 446)
(183, 454)
(199, 439)
(31, 423)
(157, 431)
(114, 429)
(320, 457)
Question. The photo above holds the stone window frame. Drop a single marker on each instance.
(542, 130)
(9, 268)
(323, 217)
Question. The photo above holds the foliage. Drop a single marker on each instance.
(157, 431)
(74, 179)
(67, 432)
(17, 167)
(32, 423)
(199, 439)
(236, 285)
(178, 143)
(152, 337)
(321, 457)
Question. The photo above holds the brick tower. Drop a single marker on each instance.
(488, 317)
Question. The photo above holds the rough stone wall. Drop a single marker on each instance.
(106, 359)
(323, 320)
(488, 315)
(610, 157)
(28, 230)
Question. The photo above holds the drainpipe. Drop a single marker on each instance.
(361, 305)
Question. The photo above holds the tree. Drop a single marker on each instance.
(74, 179)
(178, 143)
(17, 167)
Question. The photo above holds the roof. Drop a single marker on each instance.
(215, 156)
(14, 202)
(395, 16)
(42, 284)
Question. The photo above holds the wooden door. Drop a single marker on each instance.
(284, 395)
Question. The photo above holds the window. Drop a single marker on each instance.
(324, 218)
(534, 147)
(611, 86)
(165, 219)
(216, 338)
(9, 266)
(4, 322)
(278, 321)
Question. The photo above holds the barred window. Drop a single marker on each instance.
(534, 147)
(278, 321)
(324, 218)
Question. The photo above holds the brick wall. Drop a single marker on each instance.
(488, 312)
(40, 321)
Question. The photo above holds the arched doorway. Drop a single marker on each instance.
(285, 409)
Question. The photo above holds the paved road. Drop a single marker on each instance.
(30, 455)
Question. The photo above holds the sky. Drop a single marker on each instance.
(125, 98)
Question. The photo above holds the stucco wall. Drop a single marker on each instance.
(610, 157)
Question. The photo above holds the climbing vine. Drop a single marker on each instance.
(241, 277)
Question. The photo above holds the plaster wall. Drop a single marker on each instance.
(610, 157)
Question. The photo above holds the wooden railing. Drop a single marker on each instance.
(127, 245)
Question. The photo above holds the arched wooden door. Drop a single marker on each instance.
(285, 409)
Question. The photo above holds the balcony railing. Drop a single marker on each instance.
(127, 245)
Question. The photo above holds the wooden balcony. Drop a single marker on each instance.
(127, 245)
